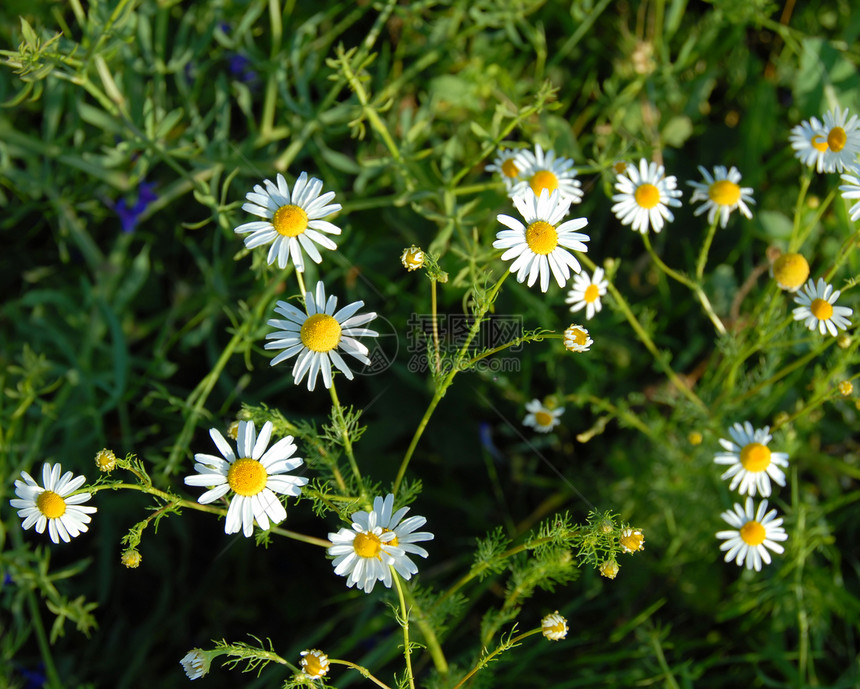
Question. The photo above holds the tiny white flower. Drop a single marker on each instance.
(755, 532)
(507, 164)
(314, 663)
(644, 196)
(586, 293)
(818, 310)
(751, 463)
(839, 139)
(195, 663)
(722, 194)
(554, 626)
(541, 418)
(541, 171)
(809, 143)
(576, 339)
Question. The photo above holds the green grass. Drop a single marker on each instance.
(143, 340)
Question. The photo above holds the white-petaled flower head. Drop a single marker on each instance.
(292, 222)
(412, 258)
(839, 140)
(554, 626)
(576, 339)
(542, 419)
(319, 336)
(818, 308)
(586, 293)
(314, 663)
(755, 531)
(790, 271)
(508, 166)
(53, 504)
(722, 194)
(644, 197)
(752, 464)
(632, 540)
(809, 143)
(255, 476)
(196, 663)
(542, 245)
(851, 190)
(539, 172)
(378, 540)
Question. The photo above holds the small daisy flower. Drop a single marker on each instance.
(751, 463)
(755, 533)
(255, 477)
(722, 194)
(314, 663)
(644, 197)
(507, 165)
(586, 293)
(609, 569)
(542, 245)
(377, 541)
(809, 143)
(293, 223)
(576, 339)
(790, 272)
(632, 540)
(554, 626)
(541, 418)
(319, 336)
(412, 258)
(541, 171)
(195, 663)
(52, 504)
(845, 388)
(105, 460)
(131, 558)
(817, 308)
(839, 139)
(851, 190)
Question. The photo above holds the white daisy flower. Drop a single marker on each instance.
(586, 293)
(755, 533)
(314, 663)
(817, 308)
(255, 477)
(632, 540)
(541, 418)
(809, 143)
(851, 190)
(316, 336)
(377, 541)
(645, 195)
(840, 139)
(751, 463)
(292, 222)
(541, 171)
(195, 663)
(576, 339)
(722, 194)
(507, 165)
(554, 626)
(541, 246)
(52, 504)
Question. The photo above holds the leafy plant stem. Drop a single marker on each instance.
(404, 616)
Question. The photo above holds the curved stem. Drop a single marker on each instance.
(706, 247)
(362, 670)
(482, 663)
(404, 614)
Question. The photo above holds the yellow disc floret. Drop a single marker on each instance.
(819, 143)
(367, 545)
(724, 193)
(592, 293)
(632, 540)
(247, 476)
(106, 460)
(412, 258)
(543, 179)
(790, 271)
(509, 168)
(541, 237)
(821, 309)
(50, 504)
(320, 333)
(290, 221)
(755, 457)
(609, 569)
(836, 139)
(753, 533)
(543, 418)
(647, 196)
(314, 663)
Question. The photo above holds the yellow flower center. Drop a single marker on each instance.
(647, 195)
(543, 179)
(609, 569)
(394, 540)
(509, 168)
(633, 541)
(320, 333)
(724, 193)
(819, 143)
(837, 139)
(592, 293)
(247, 476)
(620, 167)
(790, 271)
(541, 237)
(290, 221)
(556, 629)
(543, 418)
(755, 457)
(578, 335)
(50, 504)
(821, 309)
(312, 665)
(367, 545)
(753, 533)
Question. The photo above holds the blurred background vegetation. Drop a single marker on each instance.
(132, 318)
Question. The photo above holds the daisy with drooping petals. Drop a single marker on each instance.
(554, 626)
(586, 293)
(541, 418)
(790, 271)
(319, 336)
(722, 194)
(377, 541)
(817, 308)
(542, 245)
(293, 223)
(507, 165)
(314, 663)
(851, 190)
(755, 532)
(805, 139)
(541, 171)
(195, 663)
(576, 339)
(52, 504)
(839, 140)
(255, 476)
(632, 541)
(645, 195)
(751, 463)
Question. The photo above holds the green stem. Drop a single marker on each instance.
(794, 244)
(404, 614)
(42, 640)
(485, 660)
(362, 670)
(430, 638)
(435, 324)
(344, 435)
(706, 248)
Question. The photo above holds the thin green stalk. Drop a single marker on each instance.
(706, 248)
(794, 242)
(344, 435)
(435, 324)
(51, 673)
(661, 659)
(404, 615)
(362, 670)
(485, 660)
(430, 638)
